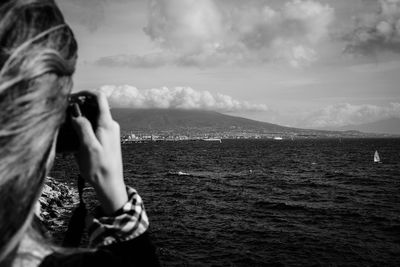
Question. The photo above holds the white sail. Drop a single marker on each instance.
(376, 157)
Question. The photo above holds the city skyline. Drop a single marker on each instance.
(296, 63)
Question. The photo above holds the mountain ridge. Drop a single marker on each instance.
(385, 126)
(172, 122)
(166, 119)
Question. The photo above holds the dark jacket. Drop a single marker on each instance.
(118, 240)
(136, 252)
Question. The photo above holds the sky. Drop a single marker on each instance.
(301, 63)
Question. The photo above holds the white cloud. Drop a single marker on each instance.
(347, 114)
(376, 32)
(189, 26)
(378, 67)
(136, 61)
(127, 96)
(192, 32)
(298, 82)
(88, 13)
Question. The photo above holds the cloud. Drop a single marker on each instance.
(207, 32)
(88, 13)
(376, 32)
(303, 81)
(126, 96)
(347, 114)
(136, 61)
(380, 67)
(189, 26)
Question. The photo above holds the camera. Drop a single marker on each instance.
(67, 140)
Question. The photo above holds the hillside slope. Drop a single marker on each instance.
(199, 123)
(388, 126)
(167, 119)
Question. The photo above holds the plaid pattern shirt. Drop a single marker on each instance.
(125, 224)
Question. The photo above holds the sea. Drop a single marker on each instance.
(267, 202)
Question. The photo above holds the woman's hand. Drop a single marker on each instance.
(99, 157)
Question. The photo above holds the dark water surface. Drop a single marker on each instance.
(262, 203)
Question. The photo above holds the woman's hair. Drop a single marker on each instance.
(37, 59)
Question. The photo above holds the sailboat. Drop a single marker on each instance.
(377, 159)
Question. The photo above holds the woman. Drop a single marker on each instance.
(38, 53)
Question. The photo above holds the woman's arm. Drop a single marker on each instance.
(99, 157)
(119, 234)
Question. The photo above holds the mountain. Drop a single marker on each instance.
(172, 119)
(387, 126)
(174, 122)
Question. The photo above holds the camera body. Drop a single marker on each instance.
(67, 140)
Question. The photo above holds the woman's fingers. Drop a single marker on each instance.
(99, 158)
(85, 131)
(105, 123)
(104, 109)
